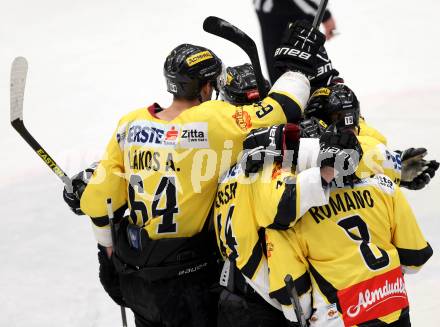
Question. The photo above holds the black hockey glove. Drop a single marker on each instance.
(312, 128)
(342, 151)
(416, 171)
(270, 144)
(298, 49)
(79, 183)
(109, 277)
(325, 75)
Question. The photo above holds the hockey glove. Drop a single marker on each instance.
(270, 144)
(109, 277)
(342, 151)
(312, 128)
(416, 171)
(79, 183)
(299, 47)
(325, 75)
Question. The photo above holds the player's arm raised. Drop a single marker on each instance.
(296, 57)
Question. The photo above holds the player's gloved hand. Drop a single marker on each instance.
(270, 144)
(340, 150)
(416, 171)
(79, 183)
(312, 127)
(109, 276)
(325, 75)
(298, 48)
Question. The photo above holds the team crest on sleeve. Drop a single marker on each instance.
(242, 119)
(149, 133)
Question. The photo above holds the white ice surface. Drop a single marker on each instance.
(92, 61)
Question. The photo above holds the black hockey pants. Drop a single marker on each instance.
(247, 311)
(181, 302)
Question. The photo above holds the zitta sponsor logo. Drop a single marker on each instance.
(194, 135)
(375, 298)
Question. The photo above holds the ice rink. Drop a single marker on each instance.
(92, 61)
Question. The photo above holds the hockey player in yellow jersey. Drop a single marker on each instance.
(240, 229)
(164, 165)
(240, 88)
(407, 168)
(356, 249)
(247, 205)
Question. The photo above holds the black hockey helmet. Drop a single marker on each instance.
(336, 104)
(239, 85)
(188, 67)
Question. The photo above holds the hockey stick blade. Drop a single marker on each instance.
(18, 82)
(226, 30)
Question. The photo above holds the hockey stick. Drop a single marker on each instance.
(226, 30)
(18, 82)
(294, 298)
(320, 13)
(110, 214)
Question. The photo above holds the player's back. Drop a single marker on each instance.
(169, 170)
(354, 248)
(235, 222)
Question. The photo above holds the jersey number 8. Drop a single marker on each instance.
(363, 238)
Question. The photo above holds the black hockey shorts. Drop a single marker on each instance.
(239, 311)
(186, 301)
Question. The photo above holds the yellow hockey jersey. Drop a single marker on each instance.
(246, 206)
(167, 171)
(377, 158)
(356, 249)
(367, 130)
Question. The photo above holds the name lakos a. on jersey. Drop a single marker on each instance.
(169, 170)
